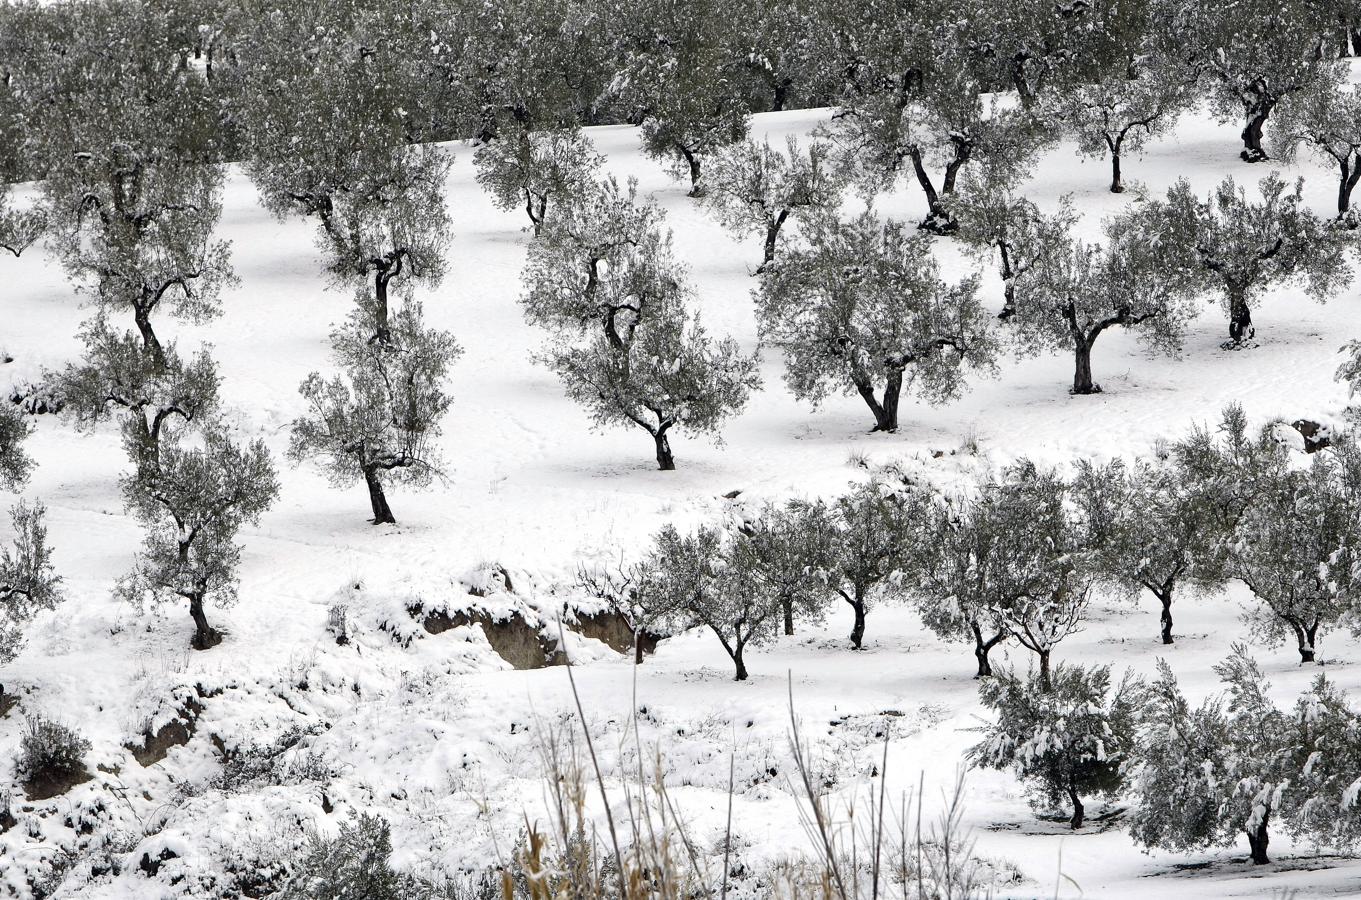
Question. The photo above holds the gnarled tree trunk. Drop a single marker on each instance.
(205, 635)
(382, 513)
(665, 461)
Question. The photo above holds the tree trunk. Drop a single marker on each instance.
(1165, 598)
(1350, 174)
(772, 234)
(858, 628)
(1240, 318)
(1082, 367)
(1117, 182)
(788, 606)
(1045, 683)
(1252, 132)
(1079, 812)
(665, 461)
(1305, 635)
(382, 330)
(382, 513)
(888, 407)
(1258, 840)
(152, 344)
(981, 649)
(866, 391)
(739, 664)
(205, 636)
(693, 161)
(777, 102)
(534, 208)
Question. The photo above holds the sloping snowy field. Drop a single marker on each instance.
(440, 736)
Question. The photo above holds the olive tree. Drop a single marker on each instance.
(379, 420)
(1296, 546)
(1159, 524)
(326, 133)
(523, 169)
(996, 562)
(602, 278)
(1075, 291)
(29, 583)
(1239, 248)
(1067, 739)
(1119, 113)
(1324, 118)
(753, 188)
(874, 528)
(1254, 53)
(193, 504)
(859, 306)
(698, 580)
(783, 548)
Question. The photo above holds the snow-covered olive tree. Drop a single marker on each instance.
(602, 278)
(1239, 248)
(19, 228)
(859, 305)
(1324, 118)
(676, 79)
(784, 548)
(1296, 547)
(379, 419)
(154, 393)
(15, 463)
(934, 127)
(1067, 739)
(1237, 764)
(192, 505)
(1052, 554)
(29, 583)
(997, 560)
(1253, 53)
(698, 580)
(874, 529)
(1117, 114)
(327, 138)
(527, 170)
(1159, 524)
(997, 225)
(753, 188)
(1075, 291)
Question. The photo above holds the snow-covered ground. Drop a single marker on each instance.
(439, 735)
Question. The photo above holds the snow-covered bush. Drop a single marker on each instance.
(1068, 739)
(15, 463)
(354, 865)
(49, 751)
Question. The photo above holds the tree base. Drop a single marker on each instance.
(206, 640)
(1253, 156)
(1085, 391)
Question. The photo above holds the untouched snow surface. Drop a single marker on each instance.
(439, 736)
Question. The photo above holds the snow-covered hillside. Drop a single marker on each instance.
(436, 732)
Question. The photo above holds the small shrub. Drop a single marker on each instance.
(49, 752)
(353, 866)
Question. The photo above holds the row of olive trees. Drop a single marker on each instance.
(1198, 776)
(1018, 555)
